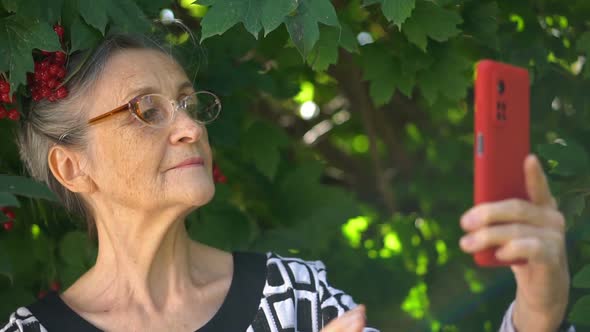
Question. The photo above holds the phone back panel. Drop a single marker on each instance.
(501, 137)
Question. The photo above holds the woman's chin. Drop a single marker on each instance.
(199, 194)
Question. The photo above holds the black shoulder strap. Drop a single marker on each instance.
(243, 299)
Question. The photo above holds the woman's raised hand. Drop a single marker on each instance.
(351, 321)
(534, 231)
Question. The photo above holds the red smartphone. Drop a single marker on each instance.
(501, 136)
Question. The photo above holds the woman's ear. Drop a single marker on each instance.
(66, 168)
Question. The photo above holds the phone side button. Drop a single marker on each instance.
(479, 144)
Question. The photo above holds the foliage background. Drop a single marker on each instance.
(375, 183)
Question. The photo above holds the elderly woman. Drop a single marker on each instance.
(133, 129)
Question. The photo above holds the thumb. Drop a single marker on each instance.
(537, 186)
(351, 321)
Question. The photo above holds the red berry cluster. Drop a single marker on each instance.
(8, 225)
(49, 73)
(5, 98)
(218, 176)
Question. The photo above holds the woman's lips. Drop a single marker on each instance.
(190, 162)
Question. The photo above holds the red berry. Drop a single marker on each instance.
(61, 93)
(52, 97)
(44, 65)
(52, 83)
(9, 213)
(45, 75)
(5, 98)
(36, 96)
(13, 115)
(4, 208)
(42, 294)
(55, 286)
(60, 57)
(37, 76)
(222, 179)
(8, 225)
(61, 73)
(4, 87)
(3, 114)
(59, 30)
(45, 92)
(53, 69)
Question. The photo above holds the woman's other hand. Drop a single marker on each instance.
(534, 231)
(351, 321)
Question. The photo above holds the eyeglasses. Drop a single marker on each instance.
(158, 111)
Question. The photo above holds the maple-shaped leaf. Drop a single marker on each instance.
(303, 26)
(429, 20)
(254, 14)
(125, 14)
(385, 74)
(19, 37)
(396, 11)
(449, 76)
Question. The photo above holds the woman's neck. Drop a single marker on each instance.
(146, 260)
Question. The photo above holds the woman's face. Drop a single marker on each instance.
(130, 162)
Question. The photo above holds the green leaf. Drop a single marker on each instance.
(583, 45)
(221, 225)
(449, 76)
(19, 37)
(303, 26)
(94, 13)
(481, 21)
(574, 206)
(74, 249)
(325, 52)
(125, 14)
(6, 265)
(25, 8)
(223, 15)
(254, 14)
(582, 278)
(262, 145)
(396, 11)
(430, 20)
(20, 185)
(274, 13)
(385, 74)
(7, 199)
(580, 310)
(348, 40)
(571, 159)
(83, 36)
(10, 5)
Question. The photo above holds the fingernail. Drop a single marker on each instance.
(467, 241)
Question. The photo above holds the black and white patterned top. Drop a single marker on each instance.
(268, 293)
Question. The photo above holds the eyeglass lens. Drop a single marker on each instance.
(156, 110)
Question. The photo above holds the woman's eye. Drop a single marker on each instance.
(151, 115)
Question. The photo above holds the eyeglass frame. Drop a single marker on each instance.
(129, 106)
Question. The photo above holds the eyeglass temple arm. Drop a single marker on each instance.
(115, 111)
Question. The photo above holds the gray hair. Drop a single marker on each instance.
(46, 122)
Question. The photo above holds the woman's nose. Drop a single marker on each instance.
(185, 129)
